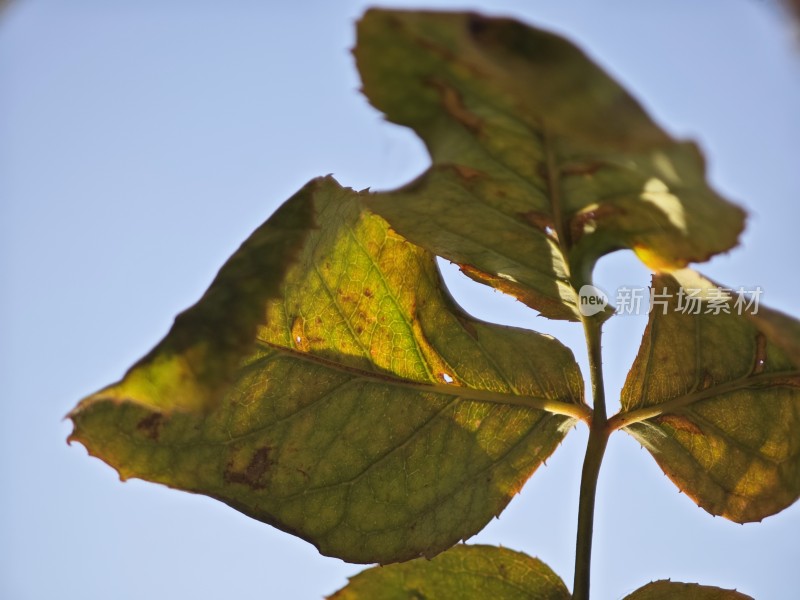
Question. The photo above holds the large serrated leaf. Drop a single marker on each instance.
(541, 162)
(463, 572)
(715, 397)
(366, 412)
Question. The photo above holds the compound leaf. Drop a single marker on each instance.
(714, 395)
(674, 590)
(464, 572)
(327, 384)
(541, 162)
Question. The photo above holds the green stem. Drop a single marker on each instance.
(595, 448)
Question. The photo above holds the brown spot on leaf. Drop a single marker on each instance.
(467, 173)
(299, 334)
(471, 271)
(587, 220)
(434, 48)
(347, 297)
(476, 24)
(365, 317)
(454, 104)
(678, 423)
(368, 292)
(254, 474)
(541, 221)
(150, 426)
(706, 382)
(439, 50)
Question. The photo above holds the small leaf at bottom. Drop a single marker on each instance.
(463, 572)
(674, 590)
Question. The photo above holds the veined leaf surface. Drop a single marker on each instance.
(541, 162)
(716, 399)
(367, 414)
(465, 572)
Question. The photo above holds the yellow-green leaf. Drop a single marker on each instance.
(716, 398)
(463, 572)
(366, 412)
(674, 590)
(541, 162)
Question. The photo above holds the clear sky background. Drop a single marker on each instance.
(142, 141)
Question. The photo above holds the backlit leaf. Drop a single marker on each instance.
(673, 590)
(463, 572)
(541, 162)
(366, 412)
(716, 399)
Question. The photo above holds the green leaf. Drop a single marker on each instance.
(463, 572)
(368, 414)
(673, 590)
(477, 572)
(541, 162)
(716, 399)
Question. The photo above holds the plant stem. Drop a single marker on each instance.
(595, 448)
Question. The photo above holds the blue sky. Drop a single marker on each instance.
(141, 142)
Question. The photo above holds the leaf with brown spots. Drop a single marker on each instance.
(463, 572)
(367, 413)
(541, 162)
(715, 397)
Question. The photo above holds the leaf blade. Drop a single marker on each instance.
(464, 571)
(715, 398)
(341, 426)
(541, 162)
(666, 590)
